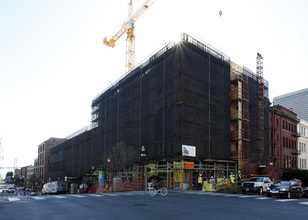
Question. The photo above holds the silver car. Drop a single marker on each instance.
(49, 188)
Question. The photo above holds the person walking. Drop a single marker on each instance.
(200, 182)
(213, 183)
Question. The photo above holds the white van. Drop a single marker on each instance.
(49, 188)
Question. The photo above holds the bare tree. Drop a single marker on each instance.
(122, 157)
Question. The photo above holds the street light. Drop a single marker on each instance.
(143, 156)
(108, 169)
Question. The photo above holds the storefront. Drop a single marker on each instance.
(183, 174)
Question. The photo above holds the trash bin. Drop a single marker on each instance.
(74, 187)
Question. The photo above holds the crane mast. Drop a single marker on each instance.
(259, 61)
(130, 40)
(128, 27)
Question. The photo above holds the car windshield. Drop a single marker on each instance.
(256, 179)
(51, 185)
(282, 183)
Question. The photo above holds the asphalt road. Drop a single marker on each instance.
(139, 205)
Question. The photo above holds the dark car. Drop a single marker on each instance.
(285, 189)
(33, 193)
(305, 192)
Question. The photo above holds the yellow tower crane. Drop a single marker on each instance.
(128, 27)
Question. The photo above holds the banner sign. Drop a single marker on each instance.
(101, 178)
(188, 150)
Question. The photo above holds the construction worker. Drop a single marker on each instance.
(225, 183)
(200, 181)
(239, 177)
(232, 181)
(212, 182)
(232, 178)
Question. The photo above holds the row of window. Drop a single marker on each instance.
(302, 164)
(289, 162)
(302, 147)
(41, 148)
(289, 126)
(288, 143)
(303, 131)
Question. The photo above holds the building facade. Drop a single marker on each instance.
(41, 164)
(176, 102)
(303, 144)
(296, 101)
(284, 148)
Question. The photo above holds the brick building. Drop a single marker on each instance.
(284, 135)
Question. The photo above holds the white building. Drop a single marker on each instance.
(303, 144)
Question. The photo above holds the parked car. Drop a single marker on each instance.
(33, 193)
(62, 186)
(256, 185)
(49, 188)
(11, 188)
(305, 192)
(3, 188)
(286, 189)
(20, 188)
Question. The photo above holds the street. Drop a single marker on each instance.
(140, 205)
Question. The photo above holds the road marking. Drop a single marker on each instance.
(96, 195)
(60, 197)
(38, 197)
(230, 195)
(110, 194)
(285, 200)
(212, 194)
(247, 196)
(127, 194)
(78, 196)
(303, 203)
(13, 199)
(262, 198)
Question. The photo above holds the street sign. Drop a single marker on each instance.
(143, 153)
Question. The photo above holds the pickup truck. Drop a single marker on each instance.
(256, 184)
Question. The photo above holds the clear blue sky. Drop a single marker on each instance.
(53, 62)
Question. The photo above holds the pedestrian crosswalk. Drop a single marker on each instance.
(13, 199)
(257, 197)
(119, 194)
(37, 197)
(65, 196)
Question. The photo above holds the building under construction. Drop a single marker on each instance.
(187, 108)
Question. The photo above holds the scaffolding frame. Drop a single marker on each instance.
(239, 115)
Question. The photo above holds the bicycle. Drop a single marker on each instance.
(153, 191)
